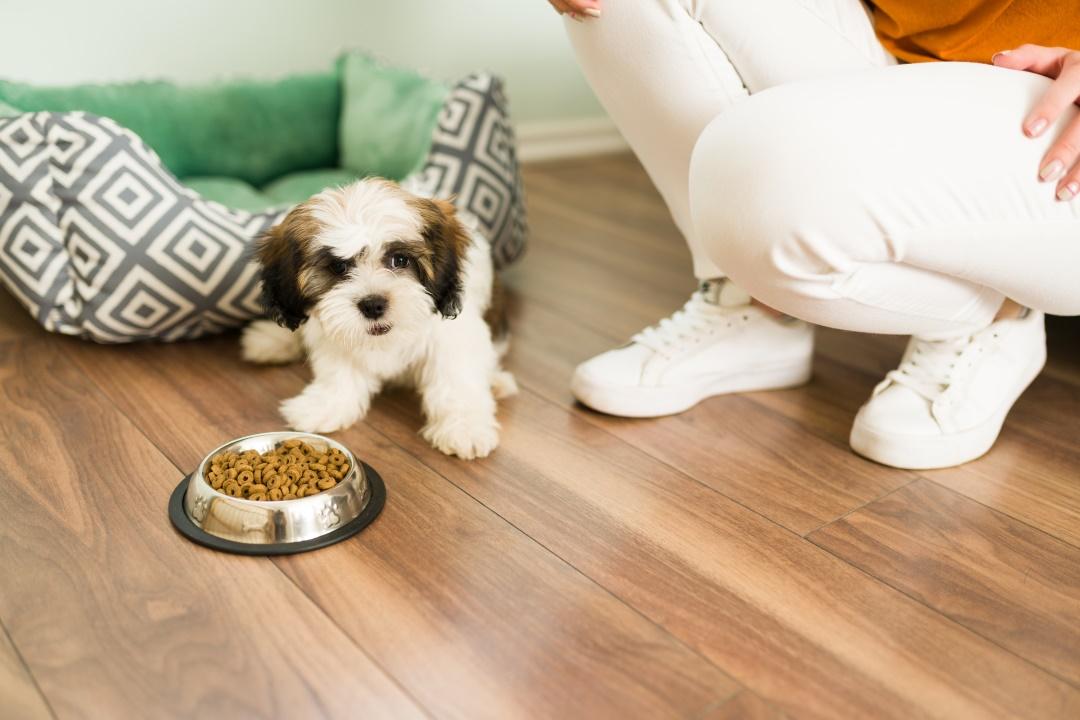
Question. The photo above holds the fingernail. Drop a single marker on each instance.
(1068, 191)
(995, 56)
(1052, 171)
(1034, 129)
(593, 12)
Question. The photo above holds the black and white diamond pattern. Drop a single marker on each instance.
(5, 199)
(98, 239)
(127, 198)
(241, 301)
(484, 193)
(473, 159)
(142, 304)
(437, 178)
(27, 246)
(94, 255)
(29, 251)
(459, 118)
(76, 143)
(20, 143)
(196, 251)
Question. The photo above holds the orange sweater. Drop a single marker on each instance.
(973, 30)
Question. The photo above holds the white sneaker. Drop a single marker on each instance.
(946, 402)
(717, 343)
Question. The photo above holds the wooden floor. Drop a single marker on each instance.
(736, 561)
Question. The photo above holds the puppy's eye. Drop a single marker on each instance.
(339, 266)
(398, 261)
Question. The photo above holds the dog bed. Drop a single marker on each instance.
(105, 238)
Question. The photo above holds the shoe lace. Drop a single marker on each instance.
(693, 320)
(931, 366)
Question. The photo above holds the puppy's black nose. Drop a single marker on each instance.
(373, 306)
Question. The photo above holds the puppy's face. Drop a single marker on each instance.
(368, 260)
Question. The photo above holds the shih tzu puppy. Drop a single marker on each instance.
(376, 286)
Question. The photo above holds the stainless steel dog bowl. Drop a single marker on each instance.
(276, 527)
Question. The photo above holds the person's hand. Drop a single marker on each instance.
(577, 9)
(1062, 160)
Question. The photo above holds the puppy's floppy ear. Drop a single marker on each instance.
(280, 252)
(447, 241)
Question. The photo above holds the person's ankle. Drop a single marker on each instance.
(723, 291)
(1010, 310)
(731, 294)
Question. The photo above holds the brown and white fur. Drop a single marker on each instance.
(377, 285)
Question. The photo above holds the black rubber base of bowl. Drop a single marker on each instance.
(196, 534)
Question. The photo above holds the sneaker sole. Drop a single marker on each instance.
(918, 452)
(638, 402)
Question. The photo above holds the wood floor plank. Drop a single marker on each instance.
(729, 443)
(1026, 481)
(569, 286)
(744, 706)
(641, 262)
(1048, 412)
(1003, 579)
(15, 321)
(470, 615)
(749, 455)
(799, 627)
(19, 695)
(642, 232)
(113, 612)
(505, 633)
(598, 179)
(827, 405)
(1032, 471)
(582, 245)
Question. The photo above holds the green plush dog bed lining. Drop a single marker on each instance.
(387, 117)
(253, 131)
(252, 145)
(288, 190)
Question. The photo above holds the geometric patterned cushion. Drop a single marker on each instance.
(98, 239)
(473, 159)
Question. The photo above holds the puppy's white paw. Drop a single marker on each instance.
(503, 384)
(317, 411)
(467, 438)
(267, 342)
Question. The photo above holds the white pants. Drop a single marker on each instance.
(829, 182)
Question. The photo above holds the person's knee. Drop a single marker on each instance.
(762, 195)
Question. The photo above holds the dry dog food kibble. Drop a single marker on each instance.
(291, 470)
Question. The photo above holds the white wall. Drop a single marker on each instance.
(67, 41)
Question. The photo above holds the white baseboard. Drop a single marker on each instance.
(553, 139)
